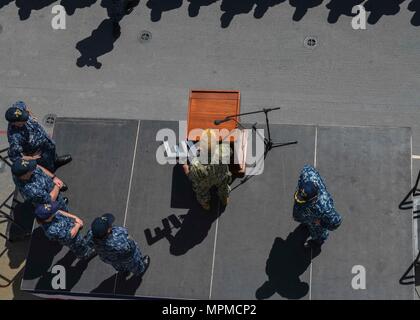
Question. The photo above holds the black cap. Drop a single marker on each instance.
(307, 191)
(101, 225)
(16, 113)
(21, 167)
(44, 211)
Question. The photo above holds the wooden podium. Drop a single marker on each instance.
(205, 107)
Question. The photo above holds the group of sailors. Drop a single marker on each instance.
(35, 163)
(34, 166)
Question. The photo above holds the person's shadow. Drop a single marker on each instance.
(195, 5)
(106, 286)
(72, 5)
(4, 3)
(19, 233)
(123, 286)
(109, 6)
(197, 223)
(231, 8)
(414, 6)
(41, 255)
(339, 7)
(100, 42)
(263, 6)
(287, 261)
(157, 7)
(127, 286)
(379, 8)
(16, 252)
(195, 226)
(27, 6)
(302, 7)
(72, 275)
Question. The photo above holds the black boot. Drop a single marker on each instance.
(66, 201)
(313, 244)
(146, 261)
(63, 160)
(64, 188)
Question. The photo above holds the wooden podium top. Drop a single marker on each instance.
(206, 106)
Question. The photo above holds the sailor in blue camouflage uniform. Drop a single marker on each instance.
(28, 139)
(37, 185)
(115, 247)
(63, 227)
(314, 207)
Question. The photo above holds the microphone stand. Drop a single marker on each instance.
(269, 144)
(268, 141)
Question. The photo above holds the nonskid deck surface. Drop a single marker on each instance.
(252, 249)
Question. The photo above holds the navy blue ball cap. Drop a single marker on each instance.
(306, 192)
(44, 211)
(16, 114)
(21, 167)
(101, 225)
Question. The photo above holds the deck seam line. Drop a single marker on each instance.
(214, 258)
(315, 164)
(129, 189)
(131, 174)
(414, 225)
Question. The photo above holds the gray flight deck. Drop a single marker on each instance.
(258, 218)
(251, 249)
(364, 77)
(98, 180)
(366, 170)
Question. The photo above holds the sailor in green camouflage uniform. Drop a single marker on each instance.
(210, 169)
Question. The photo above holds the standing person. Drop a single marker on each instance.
(63, 227)
(314, 207)
(37, 185)
(210, 169)
(28, 139)
(115, 247)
